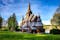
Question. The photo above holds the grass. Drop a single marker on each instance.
(27, 36)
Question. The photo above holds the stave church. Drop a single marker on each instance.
(31, 23)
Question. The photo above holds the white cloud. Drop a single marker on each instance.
(47, 22)
(19, 23)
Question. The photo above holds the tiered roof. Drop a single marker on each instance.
(31, 20)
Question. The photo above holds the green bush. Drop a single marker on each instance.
(5, 29)
(55, 31)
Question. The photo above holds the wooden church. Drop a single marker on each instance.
(31, 23)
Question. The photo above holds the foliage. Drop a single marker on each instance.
(12, 22)
(56, 19)
(17, 29)
(5, 29)
(1, 20)
(55, 31)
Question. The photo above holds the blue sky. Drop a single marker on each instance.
(44, 8)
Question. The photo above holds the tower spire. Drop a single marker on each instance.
(29, 10)
(29, 6)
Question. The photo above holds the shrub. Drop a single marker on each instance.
(55, 31)
(5, 29)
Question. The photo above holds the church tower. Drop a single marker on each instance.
(29, 12)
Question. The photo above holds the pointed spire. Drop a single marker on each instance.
(29, 6)
(29, 11)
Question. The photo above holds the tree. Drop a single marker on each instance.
(56, 18)
(12, 22)
(1, 20)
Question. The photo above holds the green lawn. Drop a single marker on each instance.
(27, 36)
